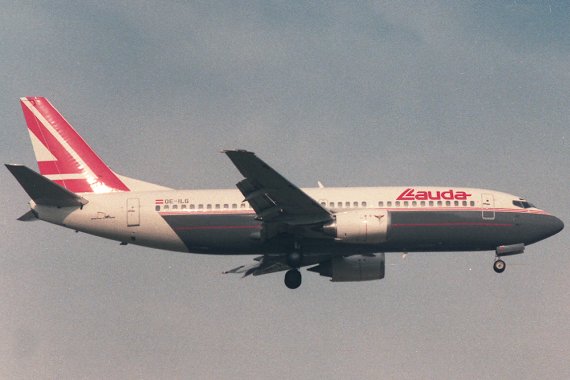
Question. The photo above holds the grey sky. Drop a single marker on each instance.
(378, 93)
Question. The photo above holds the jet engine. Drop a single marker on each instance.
(352, 268)
(359, 226)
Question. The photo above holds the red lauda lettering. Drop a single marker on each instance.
(413, 195)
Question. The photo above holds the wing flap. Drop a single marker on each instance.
(263, 265)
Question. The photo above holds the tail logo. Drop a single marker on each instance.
(62, 155)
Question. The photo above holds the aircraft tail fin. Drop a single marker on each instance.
(63, 156)
(44, 191)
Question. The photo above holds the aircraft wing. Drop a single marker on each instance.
(275, 199)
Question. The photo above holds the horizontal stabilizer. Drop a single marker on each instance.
(42, 190)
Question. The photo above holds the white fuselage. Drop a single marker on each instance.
(176, 219)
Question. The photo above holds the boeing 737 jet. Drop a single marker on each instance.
(341, 233)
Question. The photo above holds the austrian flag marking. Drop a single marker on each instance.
(159, 202)
(420, 195)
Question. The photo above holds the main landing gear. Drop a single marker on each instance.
(293, 276)
(499, 266)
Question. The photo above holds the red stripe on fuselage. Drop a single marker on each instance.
(217, 228)
(452, 224)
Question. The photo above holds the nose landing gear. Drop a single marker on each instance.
(506, 250)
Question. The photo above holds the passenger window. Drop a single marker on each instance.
(209, 206)
(414, 203)
(472, 203)
(423, 203)
(157, 208)
(217, 205)
(381, 204)
(331, 204)
(191, 207)
(456, 203)
(226, 205)
(397, 203)
(464, 203)
(166, 207)
(242, 205)
(439, 203)
(200, 206)
(406, 204)
(430, 203)
(363, 204)
(355, 204)
(339, 204)
(234, 205)
(183, 207)
(174, 207)
(389, 203)
(323, 204)
(448, 203)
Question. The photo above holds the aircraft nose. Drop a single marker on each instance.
(552, 226)
(557, 225)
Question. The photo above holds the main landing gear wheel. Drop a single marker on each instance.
(499, 266)
(293, 279)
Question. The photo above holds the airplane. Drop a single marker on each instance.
(340, 233)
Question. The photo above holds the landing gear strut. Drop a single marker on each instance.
(294, 259)
(499, 266)
(293, 278)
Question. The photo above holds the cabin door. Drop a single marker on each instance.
(488, 206)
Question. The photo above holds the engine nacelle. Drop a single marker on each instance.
(353, 268)
(360, 226)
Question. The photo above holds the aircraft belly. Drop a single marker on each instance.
(216, 234)
(451, 231)
(409, 231)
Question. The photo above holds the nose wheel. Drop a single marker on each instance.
(499, 266)
(293, 279)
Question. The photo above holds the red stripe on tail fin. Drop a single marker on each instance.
(62, 155)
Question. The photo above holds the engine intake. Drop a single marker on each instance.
(352, 268)
(360, 226)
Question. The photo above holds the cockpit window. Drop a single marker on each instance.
(523, 204)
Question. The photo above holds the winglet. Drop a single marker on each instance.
(44, 191)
